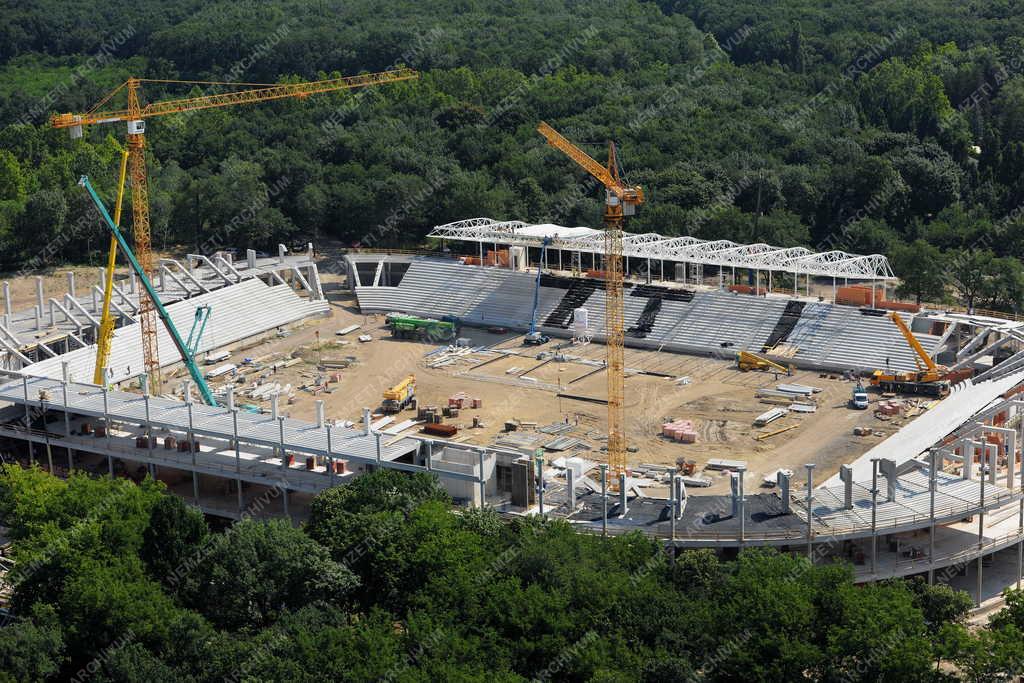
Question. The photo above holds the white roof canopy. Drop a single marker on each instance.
(723, 253)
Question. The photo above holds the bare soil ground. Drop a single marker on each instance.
(719, 399)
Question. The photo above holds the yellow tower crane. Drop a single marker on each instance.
(620, 200)
(106, 331)
(135, 114)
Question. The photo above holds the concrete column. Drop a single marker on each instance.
(366, 421)
(64, 390)
(934, 459)
(238, 456)
(604, 499)
(782, 481)
(570, 483)
(7, 299)
(993, 461)
(320, 414)
(149, 427)
(287, 512)
(330, 460)
(981, 522)
(229, 396)
(874, 516)
(623, 497)
(539, 460)
(680, 496)
(106, 430)
(888, 469)
(39, 317)
(741, 503)
(273, 407)
(39, 291)
(281, 251)
(186, 391)
(132, 284)
(280, 440)
(28, 419)
(810, 501)
(380, 453)
(192, 453)
(673, 502)
(250, 258)
(483, 477)
(846, 475)
(967, 452)
(71, 282)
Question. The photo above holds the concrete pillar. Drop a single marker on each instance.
(281, 251)
(380, 453)
(273, 407)
(673, 505)
(992, 451)
(539, 460)
(366, 421)
(106, 428)
(680, 496)
(132, 284)
(330, 460)
(186, 391)
(229, 396)
(935, 458)
(39, 317)
(734, 490)
(280, 441)
(846, 475)
(39, 291)
(238, 457)
(967, 452)
(741, 503)
(7, 299)
(192, 452)
(810, 503)
(782, 480)
(162, 280)
(623, 497)
(483, 476)
(604, 499)
(71, 282)
(250, 258)
(888, 470)
(874, 516)
(570, 482)
(320, 414)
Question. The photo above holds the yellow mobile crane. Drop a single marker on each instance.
(106, 331)
(620, 200)
(928, 380)
(751, 361)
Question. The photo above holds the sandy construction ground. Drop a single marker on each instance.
(515, 386)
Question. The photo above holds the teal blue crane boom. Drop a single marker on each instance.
(198, 327)
(190, 362)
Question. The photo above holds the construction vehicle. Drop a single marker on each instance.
(414, 327)
(135, 115)
(620, 200)
(186, 357)
(198, 327)
(105, 334)
(747, 361)
(400, 396)
(929, 379)
(533, 337)
(859, 397)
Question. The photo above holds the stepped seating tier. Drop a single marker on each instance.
(823, 335)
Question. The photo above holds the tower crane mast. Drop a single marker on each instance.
(621, 200)
(135, 114)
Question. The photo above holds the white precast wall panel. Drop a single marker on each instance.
(238, 311)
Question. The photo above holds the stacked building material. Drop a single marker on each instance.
(891, 407)
(679, 430)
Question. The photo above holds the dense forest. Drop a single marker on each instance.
(387, 582)
(882, 126)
